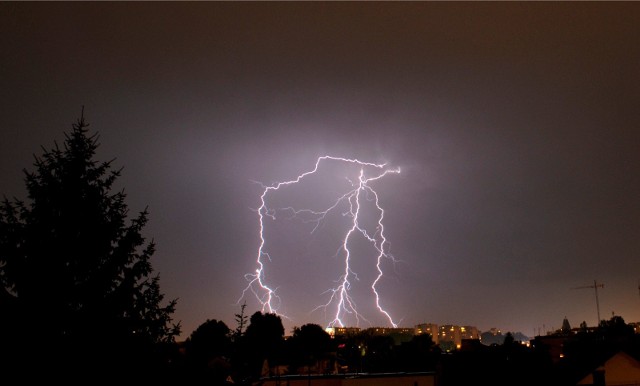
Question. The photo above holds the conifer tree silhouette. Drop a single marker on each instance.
(77, 287)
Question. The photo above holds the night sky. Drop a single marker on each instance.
(516, 127)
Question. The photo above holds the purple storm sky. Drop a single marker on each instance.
(516, 127)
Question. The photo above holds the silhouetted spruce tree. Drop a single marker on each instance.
(241, 319)
(76, 284)
(508, 339)
(239, 351)
(566, 327)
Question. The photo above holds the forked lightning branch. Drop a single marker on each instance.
(338, 302)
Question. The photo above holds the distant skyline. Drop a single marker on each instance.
(515, 126)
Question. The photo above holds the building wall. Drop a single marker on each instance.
(621, 369)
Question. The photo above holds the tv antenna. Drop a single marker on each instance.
(595, 287)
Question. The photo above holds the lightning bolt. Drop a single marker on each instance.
(339, 297)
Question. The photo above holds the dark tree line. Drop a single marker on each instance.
(214, 353)
(310, 350)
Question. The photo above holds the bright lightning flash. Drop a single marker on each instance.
(340, 302)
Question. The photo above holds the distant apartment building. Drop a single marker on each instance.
(427, 328)
(450, 336)
(399, 334)
(391, 331)
(342, 331)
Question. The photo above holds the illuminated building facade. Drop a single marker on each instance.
(427, 328)
(450, 336)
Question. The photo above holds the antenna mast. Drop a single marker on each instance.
(595, 286)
